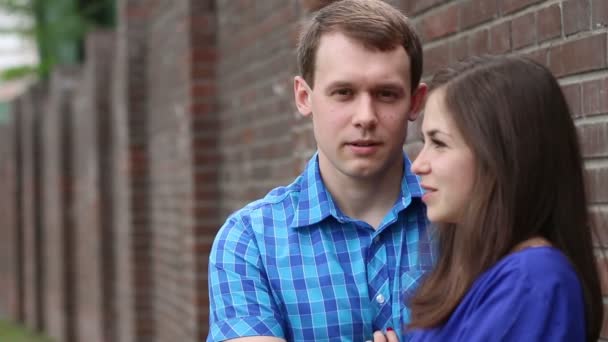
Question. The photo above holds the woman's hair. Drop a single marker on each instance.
(529, 182)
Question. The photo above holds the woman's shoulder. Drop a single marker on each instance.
(539, 269)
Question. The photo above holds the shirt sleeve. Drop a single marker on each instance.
(240, 299)
(548, 309)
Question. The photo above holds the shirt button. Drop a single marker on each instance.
(377, 239)
(380, 299)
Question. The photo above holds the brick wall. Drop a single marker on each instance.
(568, 36)
(123, 177)
(9, 291)
(30, 230)
(259, 122)
(57, 261)
(205, 158)
(17, 231)
(133, 285)
(92, 229)
(180, 76)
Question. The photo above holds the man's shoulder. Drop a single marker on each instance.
(279, 203)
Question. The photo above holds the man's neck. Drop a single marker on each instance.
(364, 199)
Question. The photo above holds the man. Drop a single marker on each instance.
(332, 256)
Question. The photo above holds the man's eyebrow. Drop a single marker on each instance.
(338, 84)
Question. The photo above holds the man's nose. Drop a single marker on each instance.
(365, 115)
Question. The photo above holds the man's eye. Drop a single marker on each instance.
(343, 92)
(387, 95)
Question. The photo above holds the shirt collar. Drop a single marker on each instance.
(315, 203)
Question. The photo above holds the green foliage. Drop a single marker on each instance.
(14, 333)
(59, 28)
(19, 7)
(19, 72)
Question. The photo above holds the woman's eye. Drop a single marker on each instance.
(437, 143)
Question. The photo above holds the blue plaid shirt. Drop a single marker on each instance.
(292, 265)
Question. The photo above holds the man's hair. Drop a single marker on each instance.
(528, 181)
(374, 23)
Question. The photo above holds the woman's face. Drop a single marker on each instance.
(445, 164)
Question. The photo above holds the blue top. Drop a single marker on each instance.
(292, 265)
(530, 295)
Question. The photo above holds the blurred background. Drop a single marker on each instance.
(130, 129)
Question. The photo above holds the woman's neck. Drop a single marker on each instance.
(537, 241)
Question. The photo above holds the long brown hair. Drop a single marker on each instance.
(529, 182)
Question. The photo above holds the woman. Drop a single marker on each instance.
(503, 181)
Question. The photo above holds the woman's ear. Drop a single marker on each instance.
(303, 94)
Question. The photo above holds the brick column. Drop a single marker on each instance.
(131, 181)
(9, 287)
(57, 261)
(93, 231)
(31, 229)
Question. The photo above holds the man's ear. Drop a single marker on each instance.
(417, 101)
(303, 94)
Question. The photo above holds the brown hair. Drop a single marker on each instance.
(514, 117)
(374, 23)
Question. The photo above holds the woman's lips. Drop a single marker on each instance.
(428, 193)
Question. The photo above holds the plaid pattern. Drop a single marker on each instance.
(292, 265)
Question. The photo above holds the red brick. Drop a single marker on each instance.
(540, 55)
(475, 12)
(314, 5)
(414, 7)
(500, 38)
(576, 16)
(593, 137)
(572, 93)
(581, 55)
(602, 266)
(436, 58)
(508, 6)
(459, 48)
(203, 90)
(604, 332)
(204, 55)
(595, 94)
(597, 183)
(599, 222)
(600, 14)
(479, 42)
(523, 30)
(441, 23)
(549, 21)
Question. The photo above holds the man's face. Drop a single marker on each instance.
(360, 106)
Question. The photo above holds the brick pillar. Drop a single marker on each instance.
(9, 291)
(182, 130)
(16, 107)
(67, 187)
(57, 228)
(131, 181)
(93, 230)
(33, 235)
(205, 157)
